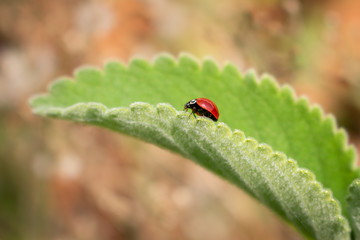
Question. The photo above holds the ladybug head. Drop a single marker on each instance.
(190, 104)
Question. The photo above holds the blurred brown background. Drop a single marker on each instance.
(62, 181)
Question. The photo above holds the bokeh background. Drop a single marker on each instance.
(62, 181)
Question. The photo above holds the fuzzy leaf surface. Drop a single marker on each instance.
(260, 108)
(353, 200)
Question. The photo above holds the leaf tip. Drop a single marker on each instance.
(142, 108)
(251, 77)
(165, 110)
(278, 157)
(87, 72)
(268, 82)
(238, 136)
(223, 131)
(210, 66)
(264, 149)
(303, 104)
(185, 118)
(250, 144)
(113, 66)
(188, 62)
(164, 61)
(116, 113)
(230, 70)
(317, 112)
(288, 93)
(139, 64)
(205, 123)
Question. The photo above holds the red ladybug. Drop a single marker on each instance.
(203, 107)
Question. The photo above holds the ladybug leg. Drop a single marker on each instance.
(192, 114)
(194, 110)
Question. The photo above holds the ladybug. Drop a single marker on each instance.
(203, 107)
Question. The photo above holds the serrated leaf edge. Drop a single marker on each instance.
(251, 74)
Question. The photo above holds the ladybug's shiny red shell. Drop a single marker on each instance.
(203, 107)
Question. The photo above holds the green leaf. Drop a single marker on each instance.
(353, 200)
(261, 109)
